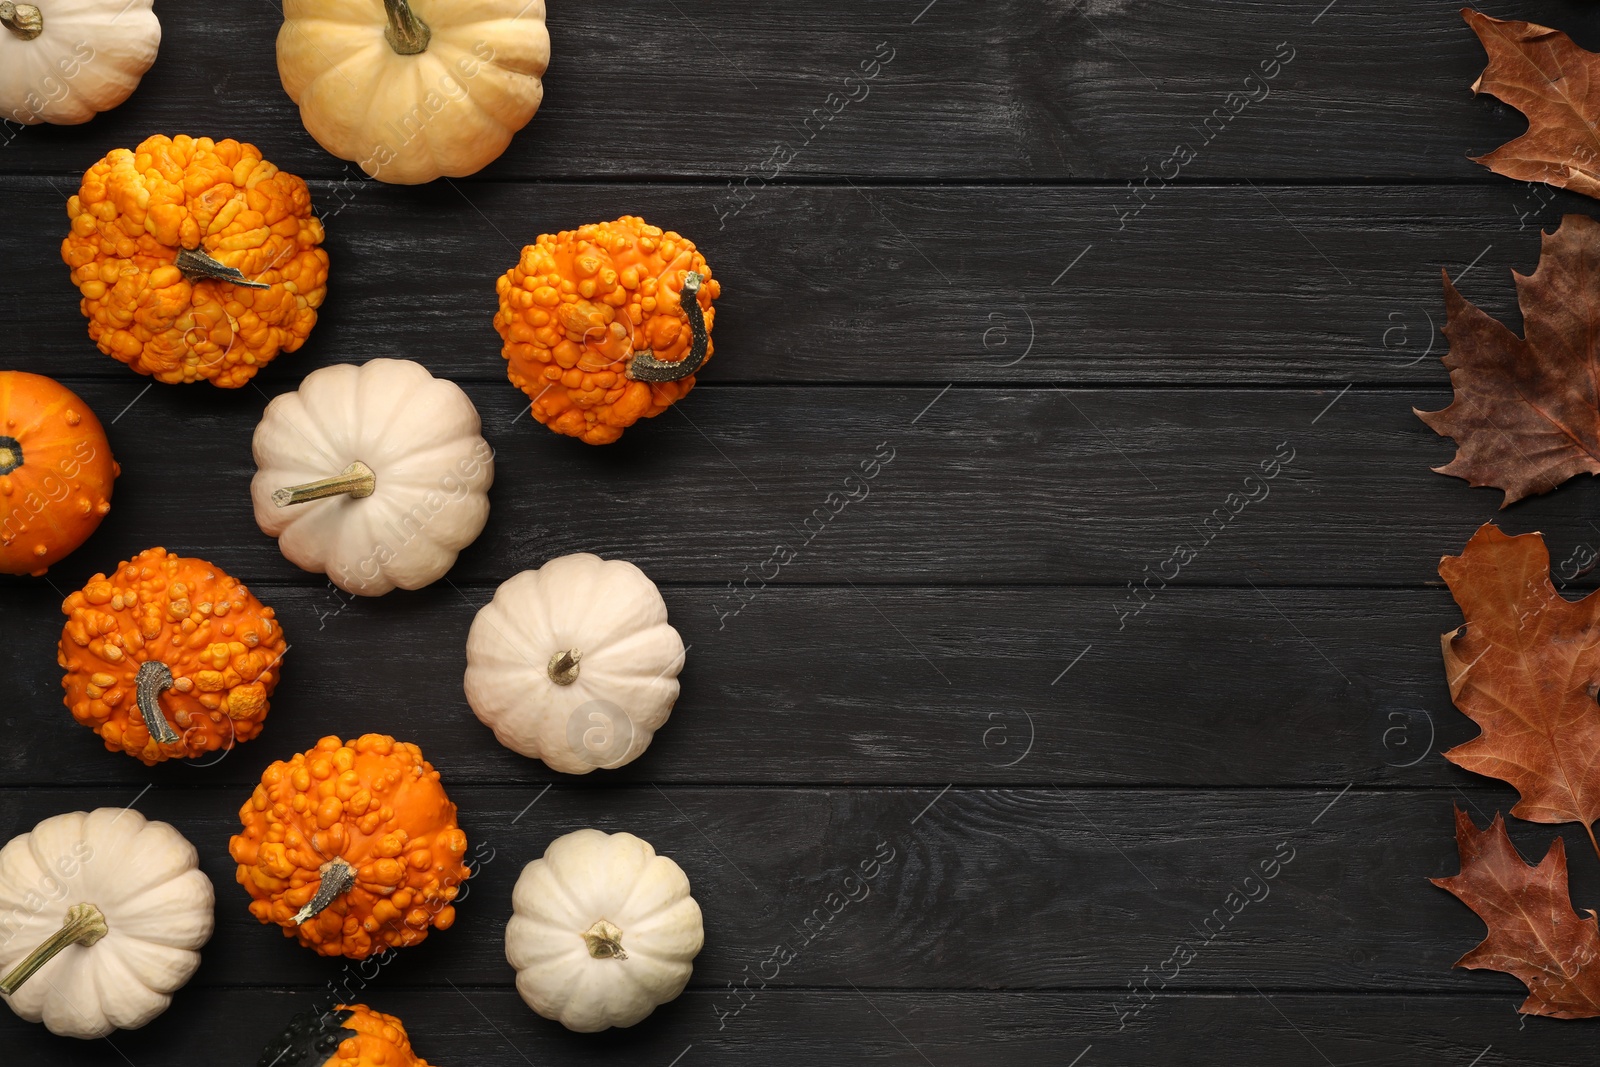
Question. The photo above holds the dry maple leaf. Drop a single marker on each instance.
(1524, 667)
(1526, 413)
(1534, 935)
(1556, 84)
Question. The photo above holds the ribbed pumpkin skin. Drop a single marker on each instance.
(144, 877)
(56, 497)
(449, 110)
(374, 803)
(88, 59)
(588, 877)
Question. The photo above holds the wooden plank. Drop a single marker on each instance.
(977, 889)
(1013, 486)
(492, 1027)
(1002, 686)
(1092, 91)
(931, 285)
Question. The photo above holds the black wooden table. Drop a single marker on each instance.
(1073, 375)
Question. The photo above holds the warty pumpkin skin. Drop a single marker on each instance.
(606, 325)
(350, 1035)
(197, 260)
(169, 658)
(56, 472)
(353, 848)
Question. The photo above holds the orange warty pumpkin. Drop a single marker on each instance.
(56, 472)
(606, 325)
(197, 260)
(169, 657)
(351, 1035)
(353, 848)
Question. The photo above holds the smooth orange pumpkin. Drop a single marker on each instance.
(606, 325)
(350, 1035)
(353, 848)
(168, 658)
(56, 472)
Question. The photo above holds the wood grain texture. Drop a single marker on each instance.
(643, 91)
(978, 686)
(788, 1027)
(1098, 883)
(1207, 285)
(1010, 486)
(1073, 776)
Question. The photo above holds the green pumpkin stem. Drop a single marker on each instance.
(604, 941)
(84, 926)
(563, 666)
(356, 481)
(197, 264)
(337, 878)
(407, 34)
(153, 679)
(10, 454)
(645, 367)
(24, 20)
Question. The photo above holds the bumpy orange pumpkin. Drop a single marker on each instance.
(56, 472)
(606, 325)
(353, 848)
(197, 260)
(169, 657)
(351, 1035)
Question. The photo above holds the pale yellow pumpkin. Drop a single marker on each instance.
(410, 90)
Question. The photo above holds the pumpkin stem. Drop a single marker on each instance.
(153, 679)
(645, 367)
(407, 34)
(84, 926)
(10, 454)
(196, 265)
(563, 666)
(336, 878)
(604, 941)
(357, 481)
(24, 20)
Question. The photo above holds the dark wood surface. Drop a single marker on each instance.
(951, 667)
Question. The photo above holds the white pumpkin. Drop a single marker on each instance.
(602, 932)
(413, 89)
(103, 914)
(575, 663)
(65, 61)
(375, 475)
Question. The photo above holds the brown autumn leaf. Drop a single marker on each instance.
(1526, 413)
(1556, 84)
(1534, 935)
(1524, 667)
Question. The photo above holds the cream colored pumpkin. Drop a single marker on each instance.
(575, 663)
(65, 61)
(413, 89)
(103, 914)
(602, 932)
(374, 475)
